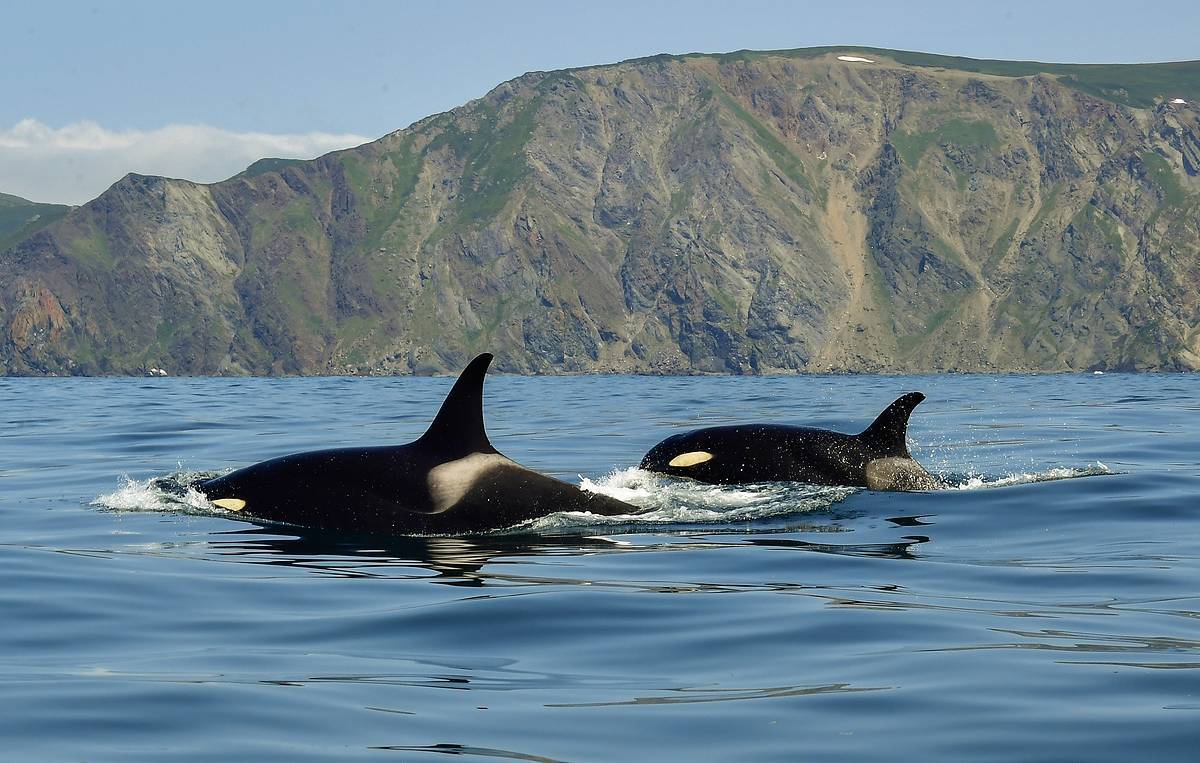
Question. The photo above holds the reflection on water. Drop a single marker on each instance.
(461, 560)
(1044, 610)
(694, 695)
(455, 560)
(901, 550)
(1068, 641)
(466, 751)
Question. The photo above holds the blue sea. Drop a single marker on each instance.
(1045, 606)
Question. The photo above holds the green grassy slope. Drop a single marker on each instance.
(1138, 85)
(270, 164)
(20, 218)
(746, 212)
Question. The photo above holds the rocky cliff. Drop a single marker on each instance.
(751, 212)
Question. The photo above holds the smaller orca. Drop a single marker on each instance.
(877, 458)
(447, 482)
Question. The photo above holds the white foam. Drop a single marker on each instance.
(646, 489)
(665, 500)
(172, 493)
(661, 500)
(975, 482)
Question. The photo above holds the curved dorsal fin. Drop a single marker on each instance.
(458, 426)
(886, 434)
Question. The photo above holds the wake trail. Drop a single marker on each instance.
(662, 501)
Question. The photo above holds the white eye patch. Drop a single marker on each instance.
(233, 504)
(691, 459)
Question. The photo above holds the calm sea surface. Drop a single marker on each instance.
(1046, 608)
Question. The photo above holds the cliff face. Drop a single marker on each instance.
(742, 213)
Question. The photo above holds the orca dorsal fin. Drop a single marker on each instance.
(888, 432)
(458, 426)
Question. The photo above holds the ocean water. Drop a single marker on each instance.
(1046, 606)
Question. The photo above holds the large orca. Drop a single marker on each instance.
(877, 458)
(449, 481)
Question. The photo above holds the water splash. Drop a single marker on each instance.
(172, 493)
(669, 501)
(663, 501)
(977, 481)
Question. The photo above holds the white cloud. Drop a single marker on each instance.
(75, 163)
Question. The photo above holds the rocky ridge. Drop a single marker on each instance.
(745, 213)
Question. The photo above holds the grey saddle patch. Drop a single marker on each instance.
(898, 473)
(449, 482)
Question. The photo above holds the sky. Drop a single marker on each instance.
(92, 90)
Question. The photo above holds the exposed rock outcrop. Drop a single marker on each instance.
(743, 213)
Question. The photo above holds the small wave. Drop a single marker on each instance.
(976, 482)
(669, 501)
(171, 493)
(663, 501)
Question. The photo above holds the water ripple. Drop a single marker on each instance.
(1043, 607)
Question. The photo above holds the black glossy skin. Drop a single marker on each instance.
(765, 453)
(775, 452)
(386, 490)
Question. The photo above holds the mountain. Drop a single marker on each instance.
(749, 212)
(21, 218)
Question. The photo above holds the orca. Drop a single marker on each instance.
(877, 458)
(449, 481)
